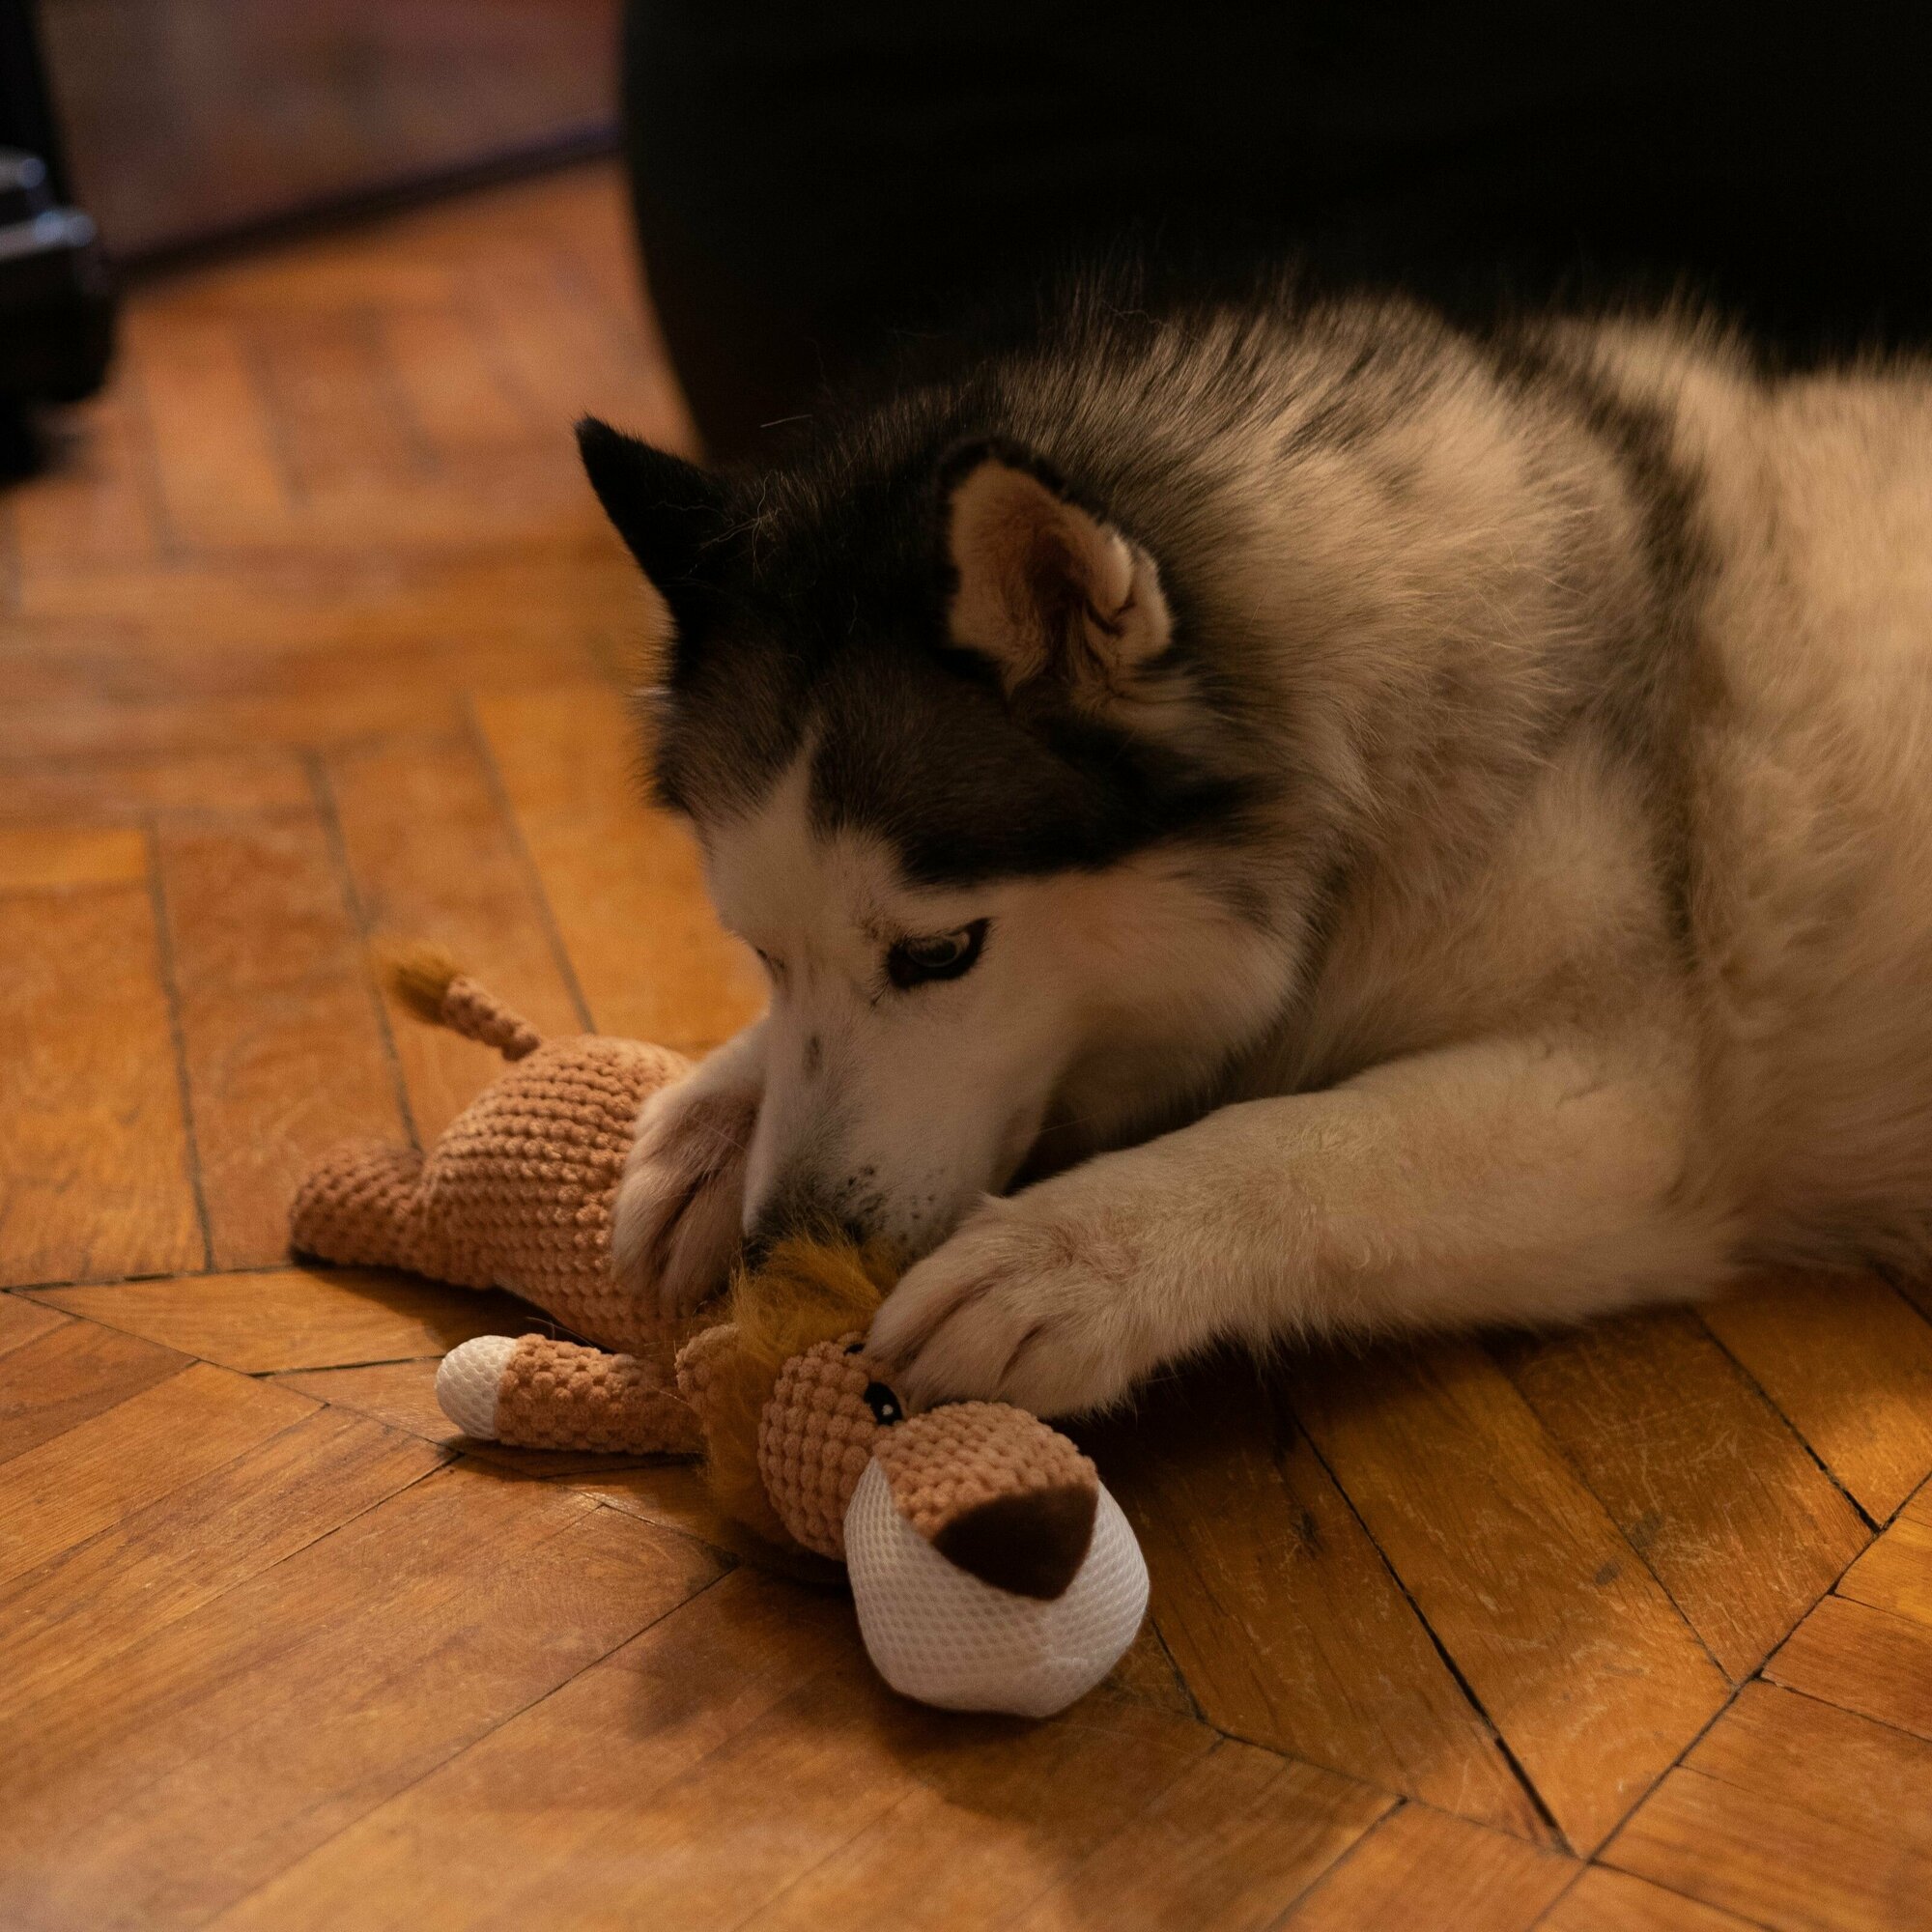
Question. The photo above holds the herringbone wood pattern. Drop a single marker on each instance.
(314, 634)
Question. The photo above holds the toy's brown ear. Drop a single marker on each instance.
(358, 1207)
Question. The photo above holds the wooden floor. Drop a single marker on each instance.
(314, 634)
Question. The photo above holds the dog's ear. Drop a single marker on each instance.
(668, 511)
(1042, 586)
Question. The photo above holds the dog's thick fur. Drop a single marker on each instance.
(1440, 822)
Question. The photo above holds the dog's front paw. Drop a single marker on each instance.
(675, 1229)
(1037, 1300)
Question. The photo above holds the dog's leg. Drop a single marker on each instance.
(676, 1224)
(1510, 1181)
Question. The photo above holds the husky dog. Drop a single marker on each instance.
(1296, 817)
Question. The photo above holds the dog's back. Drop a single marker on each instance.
(1812, 749)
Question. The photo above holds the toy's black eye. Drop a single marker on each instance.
(944, 955)
(884, 1405)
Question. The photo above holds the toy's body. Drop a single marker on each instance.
(990, 1567)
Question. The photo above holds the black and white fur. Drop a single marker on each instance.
(1391, 826)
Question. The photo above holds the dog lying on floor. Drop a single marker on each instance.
(1296, 817)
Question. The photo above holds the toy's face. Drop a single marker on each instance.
(817, 1435)
(989, 1568)
(999, 1495)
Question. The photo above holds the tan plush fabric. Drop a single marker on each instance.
(467, 1009)
(357, 1204)
(555, 1394)
(815, 1439)
(953, 1459)
(518, 1193)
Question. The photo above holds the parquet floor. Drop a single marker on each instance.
(314, 634)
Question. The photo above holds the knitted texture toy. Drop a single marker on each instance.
(989, 1567)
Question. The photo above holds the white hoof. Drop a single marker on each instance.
(944, 1638)
(466, 1382)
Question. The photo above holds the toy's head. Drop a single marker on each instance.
(989, 1567)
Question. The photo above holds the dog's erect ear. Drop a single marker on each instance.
(665, 509)
(1043, 587)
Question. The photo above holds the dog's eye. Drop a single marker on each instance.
(946, 955)
(884, 1405)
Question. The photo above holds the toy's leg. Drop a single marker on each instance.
(541, 1394)
(356, 1207)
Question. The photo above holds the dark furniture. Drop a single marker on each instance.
(811, 181)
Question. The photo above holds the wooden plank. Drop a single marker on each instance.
(247, 778)
(1864, 1660)
(458, 391)
(41, 857)
(1603, 1901)
(220, 477)
(698, 1775)
(1231, 1844)
(624, 882)
(1796, 1815)
(1850, 1364)
(1577, 1656)
(1916, 1290)
(557, 1813)
(167, 1553)
(567, 351)
(285, 1054)
(300, 624)
(433, 858)
(76, 1484)
(307, 648)
(300, 1318)
(1835, 1763)
(94, 507)
(1772, 1861)
(1705, 1479)
(1282, 1617)
(1895, 1574)
(188, 1771)
(341, 427)
(93, 1155)
(355, 267)
(1423, 1867)
(675, 1495)
(23, 1321)
(991, 1823)
(1148, 1672)
(53, 1380)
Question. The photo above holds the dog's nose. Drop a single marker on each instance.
(796, 1205)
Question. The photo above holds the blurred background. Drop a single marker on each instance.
(809, 183)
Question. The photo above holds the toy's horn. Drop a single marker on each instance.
(435, 988)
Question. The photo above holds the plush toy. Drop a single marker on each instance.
(989, 1567)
